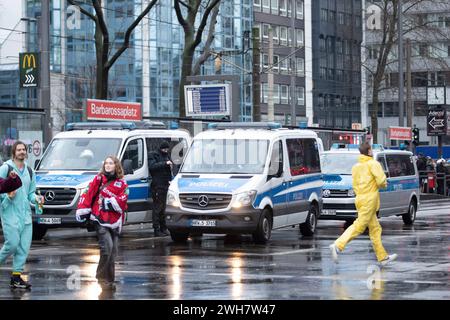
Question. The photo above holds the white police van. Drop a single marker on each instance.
(75, 156)
(400, 198)
(247, 178)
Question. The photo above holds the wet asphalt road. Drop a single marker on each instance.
(290, 267)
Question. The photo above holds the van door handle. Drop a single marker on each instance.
(144, 180)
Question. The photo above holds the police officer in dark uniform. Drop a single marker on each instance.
(160, 166)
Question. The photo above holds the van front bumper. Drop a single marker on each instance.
(338, 209)
(57, 219)
(234, 221)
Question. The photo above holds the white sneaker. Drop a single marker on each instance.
(334, 252)
(389, 259)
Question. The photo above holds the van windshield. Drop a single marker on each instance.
(226, 156)
(78, 154)
(338, 163)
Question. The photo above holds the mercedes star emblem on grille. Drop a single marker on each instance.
(49, 196)
(203, 201)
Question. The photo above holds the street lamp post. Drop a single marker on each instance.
(400, 65)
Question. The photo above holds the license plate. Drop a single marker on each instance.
(328, 212)
(49, 220)
(203, 223)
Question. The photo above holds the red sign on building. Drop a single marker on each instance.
(113, 110)
(400, 133)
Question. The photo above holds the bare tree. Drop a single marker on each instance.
(193, 37)
(103, 44)
(387, 39)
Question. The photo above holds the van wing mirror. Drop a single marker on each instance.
(36, 163)
(127, 166)
(276, 174)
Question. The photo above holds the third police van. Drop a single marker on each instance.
(400, 198)
(247, 178)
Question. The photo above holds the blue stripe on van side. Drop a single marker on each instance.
(280, 199)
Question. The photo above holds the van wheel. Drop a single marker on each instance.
(264, 228)
(179, 236)
(39, 231)
(410, 217)
(309, 226)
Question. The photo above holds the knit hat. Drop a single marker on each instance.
(164, 145)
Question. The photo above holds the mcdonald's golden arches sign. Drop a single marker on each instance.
(29, 69)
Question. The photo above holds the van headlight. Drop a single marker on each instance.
(172, 199)
(351, 193)
(244, 199)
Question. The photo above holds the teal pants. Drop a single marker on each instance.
(17, 243)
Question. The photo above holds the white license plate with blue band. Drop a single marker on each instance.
(328, 212)
(203, 223)
(49, 220)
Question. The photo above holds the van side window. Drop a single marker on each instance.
(135, 152)
(400, 165)
(276, 159)
(177, 148)
(381, 160)
(303, 156)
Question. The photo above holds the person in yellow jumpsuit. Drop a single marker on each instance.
(368, 177)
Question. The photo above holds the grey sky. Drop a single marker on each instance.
(10, 14)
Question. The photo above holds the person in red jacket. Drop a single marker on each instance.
(11, 183)
(105, 202)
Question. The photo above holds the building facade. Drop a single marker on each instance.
(286, 18)
(336, 62)
(427, 25)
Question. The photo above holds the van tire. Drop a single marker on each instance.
(309, 226)
(179, 236)
(410, 216)
(39, 231)
(264, 228)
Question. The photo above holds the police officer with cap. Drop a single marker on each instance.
(160, 166)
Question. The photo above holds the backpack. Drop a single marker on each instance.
(10, 168)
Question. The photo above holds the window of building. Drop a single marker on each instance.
(275, 31)
(331, 16)
(284, 94)
(265, 31)
(257, 5)
(303, 156)
(284, 65)
(283, 8)
(276, 60)
(264, 92)
(266, 6)
(276, 93)
(300, 96)
(300, 66)
(322, 43)
(323, 73)
(274, 6)
(324, 15)
(283, 35)
(300, 37)
(289, 7)
(299, 9)
(341, 18)
(291, 36)
(265, 60)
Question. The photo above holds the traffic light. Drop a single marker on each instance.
(415, 137)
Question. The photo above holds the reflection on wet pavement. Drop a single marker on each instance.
(215, 267)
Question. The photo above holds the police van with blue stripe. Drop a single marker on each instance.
(247, 178)
(400, 198)
(76, 155)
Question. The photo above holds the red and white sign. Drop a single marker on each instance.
(113, 110)
(400, 133)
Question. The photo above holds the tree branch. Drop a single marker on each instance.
(180, 18)
(130, 29)
(83, 11)
(198, 37)
(206, 52)
(101, 19)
